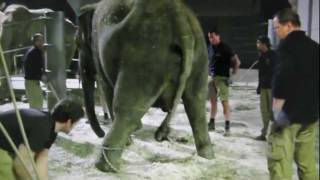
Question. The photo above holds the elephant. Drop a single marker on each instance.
(143, 54)
(19, 25)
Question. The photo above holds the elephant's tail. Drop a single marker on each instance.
(88, 71)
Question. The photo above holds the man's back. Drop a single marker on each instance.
(33, 64)
(38, 126)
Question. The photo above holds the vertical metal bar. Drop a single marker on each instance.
(56, 63)
(310, 12)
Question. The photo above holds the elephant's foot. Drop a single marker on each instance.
(109, 160)
(162, 133)
(206, 151)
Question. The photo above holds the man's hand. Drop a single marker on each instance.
(258, 90)
(235, 62)
(280, 117)
(281, 120)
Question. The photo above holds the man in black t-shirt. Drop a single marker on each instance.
(221, 60)
(33, 64)
(41, 130)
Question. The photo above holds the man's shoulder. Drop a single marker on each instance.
(34, 115)
(225, 47)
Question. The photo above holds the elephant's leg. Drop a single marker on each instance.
(194, 102)
(131, 101)
(125, 123)
(163, 131)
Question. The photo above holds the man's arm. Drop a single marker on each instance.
(41, 159)
(21, 171)
(235, 61)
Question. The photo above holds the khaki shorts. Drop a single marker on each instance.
(219, 86)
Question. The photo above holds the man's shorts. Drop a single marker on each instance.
(219, 86)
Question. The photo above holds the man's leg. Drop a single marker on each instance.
(305, 153)
(6, 166)
(223, 89)
(34, 94)
(266, 112)
(280, 153)
(214, 104)
(227, 114)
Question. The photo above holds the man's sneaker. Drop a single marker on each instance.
(261, 138)
(227, 133)
(211, 126)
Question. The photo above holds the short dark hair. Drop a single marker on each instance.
(35, 37)
(264, 40)
(68, 108)
(214, 30)
(288, 15)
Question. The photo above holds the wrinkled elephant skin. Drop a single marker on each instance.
(145, 53)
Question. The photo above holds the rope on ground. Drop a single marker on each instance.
(24, 136)
(107, 160)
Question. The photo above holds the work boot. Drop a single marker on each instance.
(261, 138)
(227, 132)
(211, 125)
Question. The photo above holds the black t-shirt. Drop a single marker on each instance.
(297, 77)
(220, 61)
(38, 125)
(266, 68)
(33, 64)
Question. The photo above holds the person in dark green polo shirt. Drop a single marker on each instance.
(41, 130)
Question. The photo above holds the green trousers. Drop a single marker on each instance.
(34, 94)
(266, 109)
(6, 166)
(295, 142)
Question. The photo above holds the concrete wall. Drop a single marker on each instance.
(309, 15)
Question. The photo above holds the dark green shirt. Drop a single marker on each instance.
(38, 125)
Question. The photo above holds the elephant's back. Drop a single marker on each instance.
(15, 13)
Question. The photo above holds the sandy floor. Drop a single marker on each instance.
(238, 157)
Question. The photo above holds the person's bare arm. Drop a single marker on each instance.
(21, 171)
(235, 64)
(278, 104)
(41, 159)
